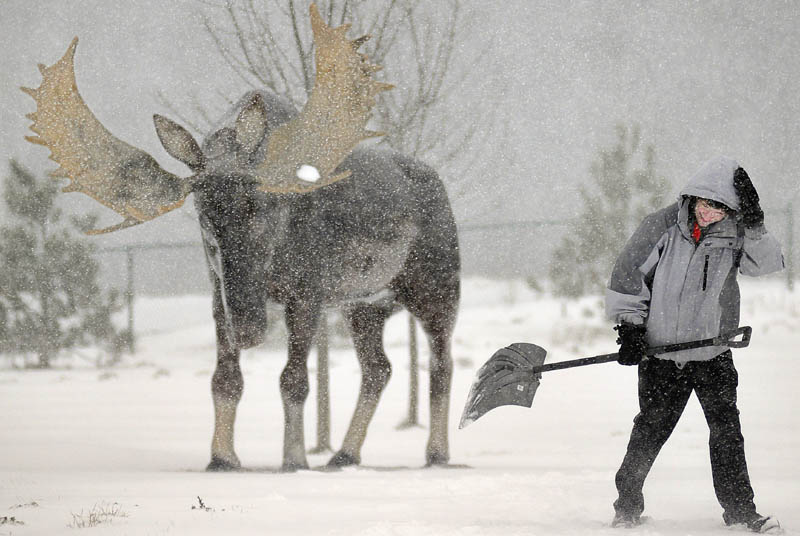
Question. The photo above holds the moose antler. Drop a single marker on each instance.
(121, 177)
(333, 120)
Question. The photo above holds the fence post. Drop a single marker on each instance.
(129, 296)
(790, 244)
(323, 389)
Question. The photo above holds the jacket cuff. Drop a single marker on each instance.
(632, 319)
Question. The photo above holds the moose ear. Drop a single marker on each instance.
(179, 143)
(251, 125)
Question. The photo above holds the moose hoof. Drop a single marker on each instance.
(342, 459)
(293, 467)
(436, 459)
(218, 464)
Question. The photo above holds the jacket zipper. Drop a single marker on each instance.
(705, 273)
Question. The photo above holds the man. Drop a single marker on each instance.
(675, 281)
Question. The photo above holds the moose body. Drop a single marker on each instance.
(383, 237)
(366, 230)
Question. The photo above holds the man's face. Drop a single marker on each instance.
(707, 212)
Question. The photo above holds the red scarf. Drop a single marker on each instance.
(696, 233)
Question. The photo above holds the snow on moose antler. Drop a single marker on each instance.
(333, 120)
(130, 182)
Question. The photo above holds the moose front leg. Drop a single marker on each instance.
(301, 323)
(226, 389)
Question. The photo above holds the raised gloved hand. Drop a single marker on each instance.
(750, 209)
(632, 342)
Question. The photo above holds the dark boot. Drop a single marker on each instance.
(626, 520)
(755, 523)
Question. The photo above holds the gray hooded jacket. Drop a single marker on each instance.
(685, 291)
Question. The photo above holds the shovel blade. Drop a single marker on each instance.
(507, 379)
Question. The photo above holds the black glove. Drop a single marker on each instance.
(632, 342)
(752, 215)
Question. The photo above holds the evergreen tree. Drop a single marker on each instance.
(622, 194)
(49, 296)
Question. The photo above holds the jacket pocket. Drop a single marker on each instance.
(705, 273)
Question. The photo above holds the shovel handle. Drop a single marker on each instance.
(725, 339)
(728, 339)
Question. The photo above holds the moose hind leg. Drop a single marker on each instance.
(366, 326)
(441, 372)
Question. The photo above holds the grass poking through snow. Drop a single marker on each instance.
(99, 514)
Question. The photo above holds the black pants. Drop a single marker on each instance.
(664, 390)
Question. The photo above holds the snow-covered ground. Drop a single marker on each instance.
(131, 441)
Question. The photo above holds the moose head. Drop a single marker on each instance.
(130, 182)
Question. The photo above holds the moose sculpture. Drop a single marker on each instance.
(292, 212)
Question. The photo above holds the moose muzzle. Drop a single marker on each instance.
(245, 318)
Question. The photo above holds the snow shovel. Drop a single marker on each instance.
(512, 374)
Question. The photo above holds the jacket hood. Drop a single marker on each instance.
(714, 180)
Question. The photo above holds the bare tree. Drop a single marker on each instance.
(423, 46)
